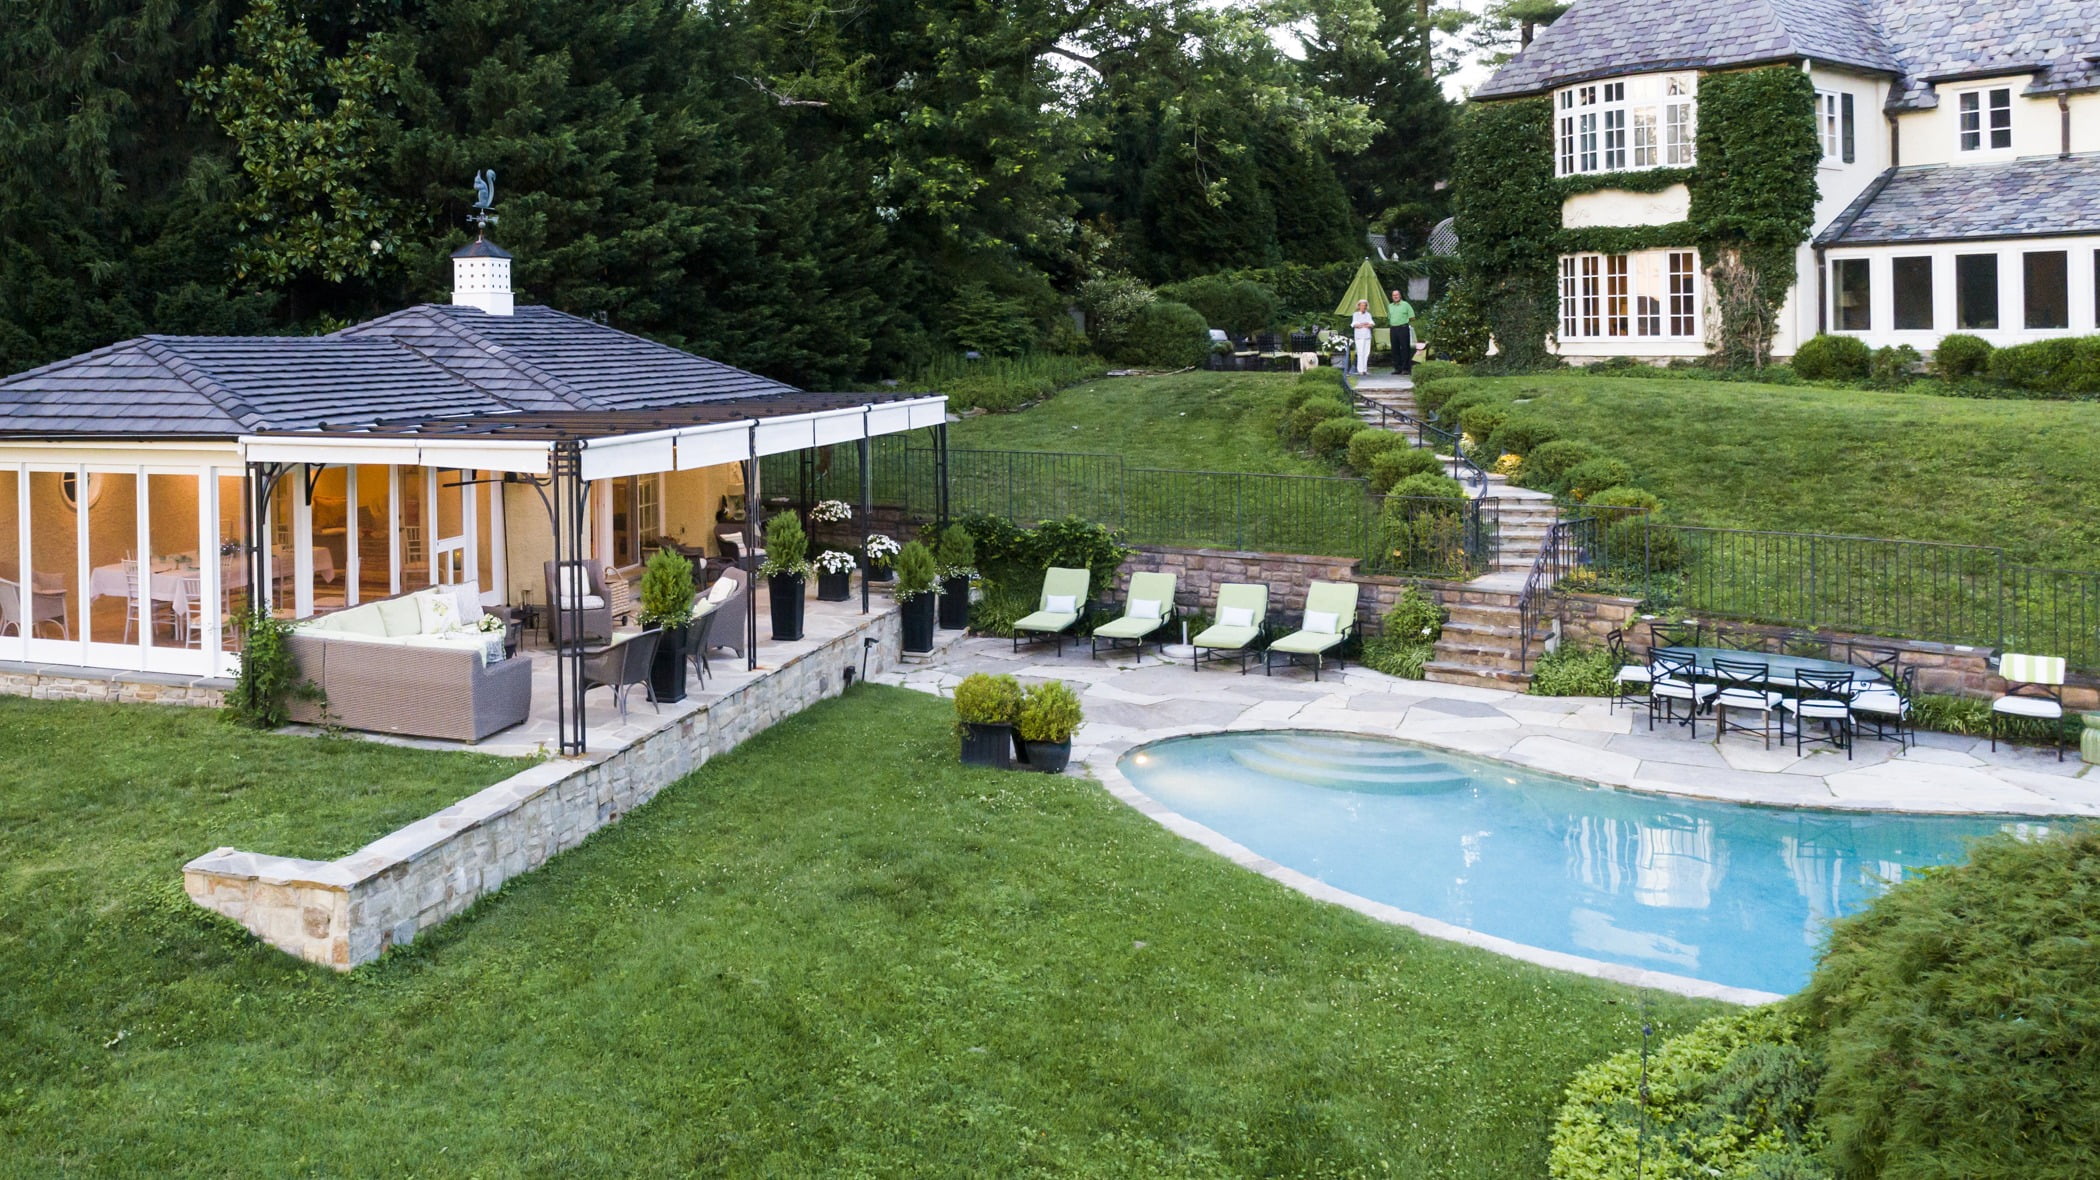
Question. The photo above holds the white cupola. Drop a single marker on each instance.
(481, 277)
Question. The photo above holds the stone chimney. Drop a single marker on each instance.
(481, 277)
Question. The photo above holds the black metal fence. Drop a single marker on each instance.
(1309, 514)
(1966, 594)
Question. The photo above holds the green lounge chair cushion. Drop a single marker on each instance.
(1129, 627)
(1224, 638)
(1305, 643)
(1046, 621)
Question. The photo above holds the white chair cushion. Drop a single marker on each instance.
(1322, 622)
(1879, 700)
(575, 581)
(589, 602)
(437, 610)
(721, 591)
(1144, 608)
(1236, 616)
(1746, 698)
(1672, 687)
(1830, 709)
(1634, 674)
(2027, 707)
(1061, 604)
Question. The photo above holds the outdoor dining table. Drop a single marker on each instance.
(1779, 669)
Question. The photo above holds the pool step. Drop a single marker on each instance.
(1416, 776)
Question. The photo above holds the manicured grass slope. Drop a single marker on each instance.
(2018, 474)
(794, 963)
(1186, 421)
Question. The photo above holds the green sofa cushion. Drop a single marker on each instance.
(1226, 638)
(1306, 643)
(1044, 620)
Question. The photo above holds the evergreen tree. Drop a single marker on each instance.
(1376, 53)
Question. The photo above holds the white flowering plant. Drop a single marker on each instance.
(881, 550)
(831, 512)
(489, 624)
(835, 561)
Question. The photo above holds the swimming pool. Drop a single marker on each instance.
(1719, 892)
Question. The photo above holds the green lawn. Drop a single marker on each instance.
(1186, 421)
(792, 963)
(2023, 475)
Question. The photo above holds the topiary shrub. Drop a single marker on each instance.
(1734, 1097)
(1330, 439)
(1622, 501)
(1427, 371)
(1299, 427)
(1111, 304)
(1831, 358)
(1479, 423)
(2065, 366)
(1518, 435)
(1461, 400)
(1961, 1018)
(1960, 357)
(1892, 367)
(1390, 467)
(1367, 444)
(1314, 383)
(1423, 526)
(1549, 462)
(1239, 306)
(1050, 712)
(1636, 543)
(1165, 335)
(1594, 475)
(1570, 671)
(985, 699)
(1430, 396)
(1428, 485)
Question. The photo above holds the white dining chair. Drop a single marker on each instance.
(131, 598)
(189, 612)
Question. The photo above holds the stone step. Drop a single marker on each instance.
(1485, 634)
(1492, 616)
(1469, 656)
(1442, 672)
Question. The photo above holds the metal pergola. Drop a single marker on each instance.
(560, 453)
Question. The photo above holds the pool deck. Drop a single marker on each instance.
(1131, 702)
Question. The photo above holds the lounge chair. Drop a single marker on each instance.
(1057, 611)
(2034, 690)
(1147, 609)
(1328, 622)
(1242, 618)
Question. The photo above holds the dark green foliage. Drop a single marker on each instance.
(1330, 439)
(1424, 486)
(1201, 206)
(1002, 385)
(1621, 501)
(1312, 412)
(1378, 62)
(1961, 1012)
(1428, 371)
(1636, 543)
(956, 551)
(1547, 466)
(985, 699)
(1570, 671)
(1825, 357)
(1368, 443)
(1314, 223)
(1508, 211)
(1407, 635)
(1422, 526)
(1111, 304)
(269, 679)
(1165, 335)
(1625, 239)
(1479, 423)
(1646, 180)
(1518, 435)
(1594, 475)
(667, 590)
(917, 572)
(1960, 357)
(1391, 467)
(1430, 395)
(1753, 198)
(2062, 367)
(1014, 557)
(1239, 306)
(981, 321)
(787, 547)
(1456, 327)
(1893, 366)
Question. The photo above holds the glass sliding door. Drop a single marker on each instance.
(231, 513)
(374, 541)
(331, 536)
(15, 596)
(121, 609)
(417, 525)
(57, 526)
(178, 573)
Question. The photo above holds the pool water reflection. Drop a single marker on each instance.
(1729, 894)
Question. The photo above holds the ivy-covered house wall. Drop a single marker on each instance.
(1752, 205)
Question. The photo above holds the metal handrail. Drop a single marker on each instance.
(1547, 570)
(1463, 469)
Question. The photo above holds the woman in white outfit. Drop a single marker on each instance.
(1361, 323)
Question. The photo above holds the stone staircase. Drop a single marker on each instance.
(1480, 645)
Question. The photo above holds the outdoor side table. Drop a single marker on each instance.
(2089, 741)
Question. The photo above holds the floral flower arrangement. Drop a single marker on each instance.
(835, 561)
(831, 512)
(488, 624)
(881, 550)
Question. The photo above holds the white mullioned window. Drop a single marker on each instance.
(1985, 119)
(1644, 122)
(1650, 294)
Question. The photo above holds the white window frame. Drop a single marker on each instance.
(1608, 296)
(1977, 114)
(1830, 125)
(1626, 125)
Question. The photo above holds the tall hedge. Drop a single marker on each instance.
(1507, 207)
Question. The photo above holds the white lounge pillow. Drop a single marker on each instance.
(575, 582)
(1061, 604)
(1144, 608)
(1236, 616)
(721, 591)
(467, 596)
(1321, 622)
(437, 611)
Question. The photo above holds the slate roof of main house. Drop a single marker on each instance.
(425, 362)
(1916, 41)
(2041, 197)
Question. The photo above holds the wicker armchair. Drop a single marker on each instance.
(622, 665)
(597, 612)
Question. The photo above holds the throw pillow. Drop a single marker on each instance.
(575, 582)
(1321, 622)
(437, 611)
(1061, 604)
(1236, 616)
(721, 591)
(1144, 608)
(467, 596)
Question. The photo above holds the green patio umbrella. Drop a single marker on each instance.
(1365, 286)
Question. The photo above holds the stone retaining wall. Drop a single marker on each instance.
(347, 912)
(49, 682)
(1199, 572)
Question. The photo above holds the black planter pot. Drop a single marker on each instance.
(1048, 757)
(834, 587)
(955, 604)
(878, 574)
(988, 745)
(787, 605)
(667, 671)
(918, 624)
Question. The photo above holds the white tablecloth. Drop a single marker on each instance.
(167, 575)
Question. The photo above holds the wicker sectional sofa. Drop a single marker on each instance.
(378, 670)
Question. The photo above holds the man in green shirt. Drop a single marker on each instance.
(1399, 313)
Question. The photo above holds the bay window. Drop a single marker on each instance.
(1650, 294)
(1645, 122)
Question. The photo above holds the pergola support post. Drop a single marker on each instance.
(940, 462)
(867, 508)
(565, 475)
(751, 539)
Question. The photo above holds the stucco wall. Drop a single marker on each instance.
(1617, 207)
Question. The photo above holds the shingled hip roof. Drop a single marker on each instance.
(2045, 197)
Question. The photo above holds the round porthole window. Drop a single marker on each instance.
(69, 487)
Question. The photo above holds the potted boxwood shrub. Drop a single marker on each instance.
(1049, 714)
(986, 708)
(881, 553)
(916, 593)
(667, 602)
(957, 558)
(786, 571)
(835, 575)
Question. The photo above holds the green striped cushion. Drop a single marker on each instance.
(2026, 669)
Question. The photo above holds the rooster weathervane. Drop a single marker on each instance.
(484, 200)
